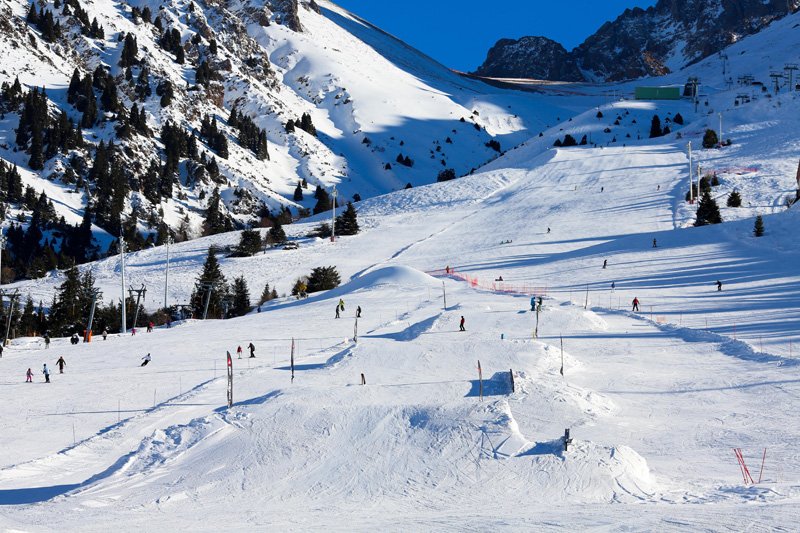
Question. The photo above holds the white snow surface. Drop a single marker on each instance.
(656, 400)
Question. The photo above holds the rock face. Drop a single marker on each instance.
(670, 35)
(512, 59)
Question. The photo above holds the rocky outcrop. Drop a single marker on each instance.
(640, 42)
(512, 59)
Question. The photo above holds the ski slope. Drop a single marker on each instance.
(656, 400)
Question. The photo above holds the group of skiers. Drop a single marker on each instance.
(340, 309)
(46, 371)
(250, 347)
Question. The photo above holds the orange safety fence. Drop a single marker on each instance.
(507, 287)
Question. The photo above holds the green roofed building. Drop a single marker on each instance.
(658, 93)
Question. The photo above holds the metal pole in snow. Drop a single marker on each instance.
(292, 359)
(166, 277)
(691, 178)
(562, 354)
(124, 328)
(444, 295)
(333, 216)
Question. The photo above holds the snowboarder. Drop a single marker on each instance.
(46, 340)
(29, 376)
(605, 263)
(239, 352)
(337, 311)
(146, 359)
(358, 312)
(252, 350)
(461, 325)
(635, 304)
(46, 372)
(105, 333)
(61, 364)
(719, 285)
(655, 244)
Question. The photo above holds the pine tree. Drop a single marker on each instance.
(241, 297)
(298, 193)
(758, 227)
(655, 127)
(707, 211)
(734, 199)
(276, 235)
(323, 279)
(129, 51)
(212, 276)
(347, 222)
(216, 221)
(710, 139)
(678, 119)
(249, 243)
(266, 294)
(323, 201)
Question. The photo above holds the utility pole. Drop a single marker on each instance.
(122, 266)
(2, 245)
(95, 295)
(776, 77)
(12, 295)
(206, 286)
(720, 128)
(333, 216)
(140, 294)
(691, 178)
(166, 276)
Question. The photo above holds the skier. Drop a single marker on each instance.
(719, 285)
(635, 304)
(145, 360)
(239, 352)
(358, 312)
(74, 339)
(29, 376)
(341, 304)
(150, 327)
(461, 325)
(105, 333)
(447, 269)
(46, 340)
(655, 244)
(46, 372)
(602, 189)
(337, 311)
(540, 303)
(533, 303)
(548, 231)
(605, 263)
(133, 331)
(613, 285)
(252, 350)
(61, 364)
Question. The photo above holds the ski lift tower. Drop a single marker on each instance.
(789, 69)
(776, 78)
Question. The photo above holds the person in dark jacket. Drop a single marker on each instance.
(61, 364)
(252, 350)
(461, 324)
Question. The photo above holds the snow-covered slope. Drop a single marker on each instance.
(656, 400)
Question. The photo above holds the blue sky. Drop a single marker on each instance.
(458, 33)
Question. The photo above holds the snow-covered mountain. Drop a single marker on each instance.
(640, 42)
(368, 113)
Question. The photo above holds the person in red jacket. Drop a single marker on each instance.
(239, 352)
(29, 376)
(635, 304)
(461, 325)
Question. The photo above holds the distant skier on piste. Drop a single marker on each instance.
(29, 376)
(358, 312)
(61, 364)
(252, 349)
(146, 359)
(337, 310)
(461, 324)
(341, 305)
(719, 285)
(635, 304)
(239, 352)
(46, 372)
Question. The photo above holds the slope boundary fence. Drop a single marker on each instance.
(506, 287)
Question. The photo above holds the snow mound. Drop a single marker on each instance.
(397, 276)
